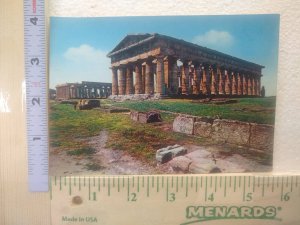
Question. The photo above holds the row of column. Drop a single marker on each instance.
(151, 76)
(190, 78)
(213, 80)
(87, 92)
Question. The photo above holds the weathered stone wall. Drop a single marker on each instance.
(135, 97)
(251, 135)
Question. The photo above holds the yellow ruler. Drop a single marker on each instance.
(176, 199)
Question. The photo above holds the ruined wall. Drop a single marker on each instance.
(250, 135)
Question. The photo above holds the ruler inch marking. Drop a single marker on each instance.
(34, 44)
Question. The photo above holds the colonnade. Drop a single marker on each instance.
(89, 92)
(83, 90)
(167, 75)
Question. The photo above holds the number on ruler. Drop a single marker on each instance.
(249, 197)
(286, 197)
(35, 100)
(34, 20)
(211, 197)
(35, 61)
(171, 197)
(133, 197)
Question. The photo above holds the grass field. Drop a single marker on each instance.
(257, 110)
(69, 130)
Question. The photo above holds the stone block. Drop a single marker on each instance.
(164, 155)
(180, 164)
(153, 117)
(184, 124)
(142, 117)
(198, 155)
(134, 116)
(231, 131)
(204, 167)
(262, 137)
(202, 129)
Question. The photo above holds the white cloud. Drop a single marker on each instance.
(82, 63)
(84, 53)
(214, 39)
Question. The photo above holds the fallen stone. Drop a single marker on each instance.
(202, 129)
(134, 115)
(262, 137)
(146, 117)
(142, 117)
(180, 164)
(204, 167)
(231, 166)
(231, 131)
(184, 124)
(153, 117)
(199, 154)
(164, 155)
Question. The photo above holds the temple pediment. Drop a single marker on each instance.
(130, 40)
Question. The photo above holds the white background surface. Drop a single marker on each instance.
(287, 130)
(17, 205)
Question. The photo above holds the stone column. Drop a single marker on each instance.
(184, 78)
(245, 84)
(214, 80)
(250, 85)
(240, 83)
(129, 81)
(227, 83)
(173, 79)
(234, 83)
(138, 79)
(160, 76)
(221, 81)
(204, 81)
(255, 85)
(122, 83)
(114, 81)
(259, 85)
(196, 78)
(149, 86)
(208, 73)
(168, 74)
(143, 78)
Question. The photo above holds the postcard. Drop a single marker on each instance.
(162, 94)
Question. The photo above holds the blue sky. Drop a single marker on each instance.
(78, 46)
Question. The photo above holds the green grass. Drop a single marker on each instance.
(70, 130)
(257, 110)
(82, 151)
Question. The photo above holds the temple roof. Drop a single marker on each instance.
(134, 40)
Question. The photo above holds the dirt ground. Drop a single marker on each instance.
(115, 162)
(104, 161)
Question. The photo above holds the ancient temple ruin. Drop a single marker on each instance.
(159, 64)
(85, 89)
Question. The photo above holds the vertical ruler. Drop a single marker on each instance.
(170, 200)
(36, 94)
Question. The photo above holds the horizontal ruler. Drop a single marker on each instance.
(36, 94)
(182, 200)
